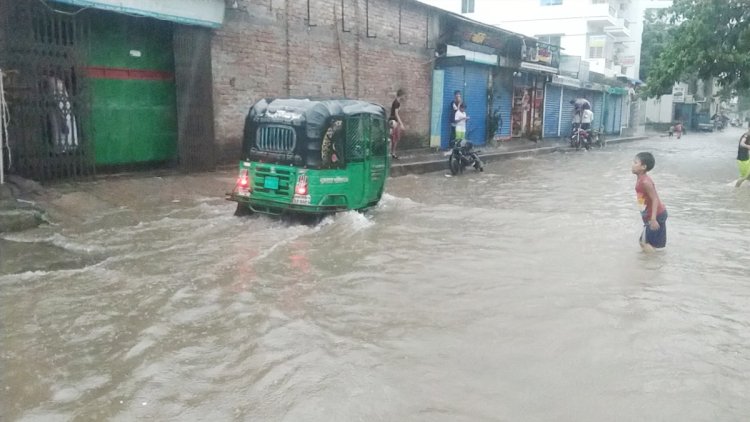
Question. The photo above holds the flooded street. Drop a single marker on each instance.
(518, 294)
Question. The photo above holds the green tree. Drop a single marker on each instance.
(744, 101)
(711, 38)
(657, 34)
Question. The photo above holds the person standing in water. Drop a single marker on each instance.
(653, 211)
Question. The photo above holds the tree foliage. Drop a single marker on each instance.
(657, 35)
(710, 38)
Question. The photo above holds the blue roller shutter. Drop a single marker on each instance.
(567, 110)
(454, 80)
(618, 114)
(502, 104)
(598, 109)
(552, 110)
(609, 113)
(475, 97)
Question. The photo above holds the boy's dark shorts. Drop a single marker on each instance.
(655, 238)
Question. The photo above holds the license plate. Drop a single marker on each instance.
(301, 200)
(271, 183)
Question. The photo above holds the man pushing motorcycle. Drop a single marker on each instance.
(582, 119)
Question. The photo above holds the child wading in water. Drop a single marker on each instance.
(653, 211)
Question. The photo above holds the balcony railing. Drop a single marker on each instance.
(607, 17)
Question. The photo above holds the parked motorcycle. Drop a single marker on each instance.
(463, 155)
(580, 138)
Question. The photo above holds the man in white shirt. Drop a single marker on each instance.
(460, 120)
(586, 119)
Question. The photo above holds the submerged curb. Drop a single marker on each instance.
(429, 166)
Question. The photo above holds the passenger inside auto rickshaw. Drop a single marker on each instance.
(328, 150)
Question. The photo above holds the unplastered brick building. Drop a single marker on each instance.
(365, 49)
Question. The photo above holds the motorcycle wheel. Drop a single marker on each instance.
(454, 164)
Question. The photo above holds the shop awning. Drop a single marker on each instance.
(471, 56)
(189, 12)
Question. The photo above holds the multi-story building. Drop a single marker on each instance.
(605, 33)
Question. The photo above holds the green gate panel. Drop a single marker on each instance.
(131, 73)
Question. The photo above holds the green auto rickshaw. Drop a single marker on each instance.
(302, 156)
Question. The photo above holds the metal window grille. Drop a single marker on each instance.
(273, 138)
(355, 139)
(48, 92)
(378, 138)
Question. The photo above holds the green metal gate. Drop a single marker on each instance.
(131, 72)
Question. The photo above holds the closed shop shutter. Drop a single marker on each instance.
(598, 108)
(618, 114)
(553, 93)
(475, 96)
(567, 110)
(454, 80)
(502, 103)
(609, 112)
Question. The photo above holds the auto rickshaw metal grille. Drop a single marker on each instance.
(355, 139)
(275, 138)
(284, 176)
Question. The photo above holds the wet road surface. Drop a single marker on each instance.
(515, 294)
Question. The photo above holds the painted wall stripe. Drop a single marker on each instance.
(128, 74)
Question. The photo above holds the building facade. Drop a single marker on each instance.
(600, 43)
(96, 85)
(605, 33)
(108, 84)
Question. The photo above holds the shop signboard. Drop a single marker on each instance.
(566, 81)
(544, 55)
(467, 32)
(570, 65)
(538, 67)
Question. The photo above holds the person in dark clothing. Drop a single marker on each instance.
(396, 124)
(743, 158)
(455, 106)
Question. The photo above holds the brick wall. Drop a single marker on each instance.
(270, 48)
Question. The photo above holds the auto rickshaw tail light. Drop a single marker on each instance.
(301, 188)
(243, 181)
